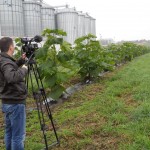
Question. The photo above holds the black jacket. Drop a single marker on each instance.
(12, 86)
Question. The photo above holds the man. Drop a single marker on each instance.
(13, 93)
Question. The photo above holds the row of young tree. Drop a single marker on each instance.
(59, 61)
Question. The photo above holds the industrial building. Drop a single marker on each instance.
(27, 18)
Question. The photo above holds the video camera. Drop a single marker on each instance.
(28, 46)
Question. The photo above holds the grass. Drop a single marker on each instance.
(116, 116)
(111, 114)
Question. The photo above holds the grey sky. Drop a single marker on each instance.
(117, 19)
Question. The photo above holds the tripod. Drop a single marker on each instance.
(42, 104)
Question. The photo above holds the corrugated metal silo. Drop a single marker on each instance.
(48, 17)
(67, 19)
(32, 18)
(93, 26)
(87, 24)
(81, 24)
(11, 18)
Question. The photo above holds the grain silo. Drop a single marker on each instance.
(48, 17)
(93, 26)
(87, 24)
(67, 20)
(11, 18)
(81, 24)
(32, 18)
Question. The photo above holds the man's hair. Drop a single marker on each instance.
(5, 43)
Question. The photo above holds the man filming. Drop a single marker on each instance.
(13, 93)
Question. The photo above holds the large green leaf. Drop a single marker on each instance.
(56, 91)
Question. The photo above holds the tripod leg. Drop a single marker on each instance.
(36, 72)
(49, 114)
(39, 108)
(27, 77)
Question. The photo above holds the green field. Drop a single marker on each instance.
(110, 114)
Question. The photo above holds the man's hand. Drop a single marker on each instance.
(24, 66)
(24, 56)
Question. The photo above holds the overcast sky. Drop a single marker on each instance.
(117, 19)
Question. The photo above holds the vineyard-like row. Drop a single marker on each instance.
(59, 61)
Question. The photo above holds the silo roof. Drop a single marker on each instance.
(93, 18)
(31, 2)
(81, 14)
(47, 6)
(66, 10)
